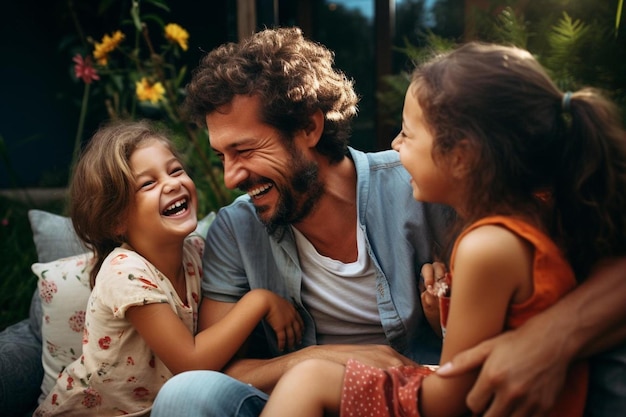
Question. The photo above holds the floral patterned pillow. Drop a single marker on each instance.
(63, 289)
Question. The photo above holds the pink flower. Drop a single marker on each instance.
(84, 69)
(104, 342)
(77, 321)
(141, 392)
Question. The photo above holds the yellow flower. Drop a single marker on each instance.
(176, 34)
(146, 91)
(109, 43)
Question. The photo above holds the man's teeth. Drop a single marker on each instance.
(259, 190)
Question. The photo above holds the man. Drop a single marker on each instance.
(333, 229)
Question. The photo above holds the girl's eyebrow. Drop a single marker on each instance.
(147, 170)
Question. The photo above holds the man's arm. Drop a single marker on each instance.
(524, 370)
(265, 373)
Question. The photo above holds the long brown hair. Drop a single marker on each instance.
(103, 187)
(526, 138)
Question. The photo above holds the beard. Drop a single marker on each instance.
(297, 198)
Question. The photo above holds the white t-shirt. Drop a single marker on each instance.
(341, 297)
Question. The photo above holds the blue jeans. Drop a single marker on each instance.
(207, 394)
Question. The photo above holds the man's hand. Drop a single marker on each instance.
(519, 377)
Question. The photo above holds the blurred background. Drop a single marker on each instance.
(41, 98)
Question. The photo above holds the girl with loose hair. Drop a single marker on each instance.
(134, 205)
(537, 177)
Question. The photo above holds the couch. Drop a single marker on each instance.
(35, 350)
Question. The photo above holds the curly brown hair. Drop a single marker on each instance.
(527, 137)
(102, 188)
(293, 76)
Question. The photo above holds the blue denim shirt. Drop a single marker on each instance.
(400, 235)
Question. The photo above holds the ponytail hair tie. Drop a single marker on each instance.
(565, 102)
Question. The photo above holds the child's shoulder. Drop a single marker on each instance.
(195, 243)
(491, 243)
(122, 256)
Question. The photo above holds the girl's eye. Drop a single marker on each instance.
(146, 184)
(177, 171)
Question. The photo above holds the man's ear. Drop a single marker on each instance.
(313, 132)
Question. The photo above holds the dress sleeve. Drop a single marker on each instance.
(126, 280)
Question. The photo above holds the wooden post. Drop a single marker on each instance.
(384, 27)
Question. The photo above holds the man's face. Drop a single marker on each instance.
(279, 175)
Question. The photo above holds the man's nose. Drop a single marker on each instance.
(234, 173)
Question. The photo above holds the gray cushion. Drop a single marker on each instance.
(21, 371)
(54, 236)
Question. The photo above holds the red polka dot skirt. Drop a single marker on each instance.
(374, 392)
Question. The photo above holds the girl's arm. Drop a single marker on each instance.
(524, 370)
(492, 269)
(213, 347)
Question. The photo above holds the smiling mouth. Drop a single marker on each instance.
(176, 207)
(260, 191)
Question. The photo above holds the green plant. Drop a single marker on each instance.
(17, 253)
(135, 71)
(575, 52)
(392, 98)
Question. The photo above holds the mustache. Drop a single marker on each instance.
(248, 184)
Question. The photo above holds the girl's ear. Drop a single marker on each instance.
(120, 228)
(460, 160)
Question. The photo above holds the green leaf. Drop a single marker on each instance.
(155, 18)
(161, 4)
(181, 76)
(134, 13)
(511, 28)
(618, 16)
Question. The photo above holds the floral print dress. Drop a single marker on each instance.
(117, 373)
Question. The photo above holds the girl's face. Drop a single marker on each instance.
(430, 179)
(164, 209)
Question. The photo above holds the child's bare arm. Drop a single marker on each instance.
(213, 347)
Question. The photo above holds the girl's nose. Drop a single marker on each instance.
(172, 184)
(395, 143)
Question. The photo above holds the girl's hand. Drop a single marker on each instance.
(285, 320)
(430, 301)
